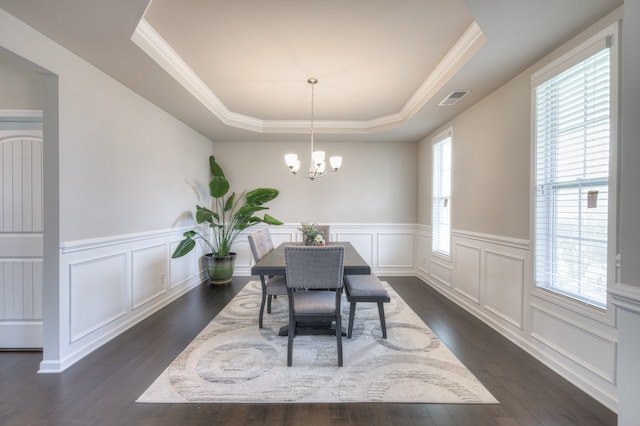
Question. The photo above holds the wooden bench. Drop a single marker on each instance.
(366, 288)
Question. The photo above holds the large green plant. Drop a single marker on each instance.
(230, 216)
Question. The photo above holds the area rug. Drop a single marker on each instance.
(233, 361)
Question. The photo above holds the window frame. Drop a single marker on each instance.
(440, 138)
(610, 36)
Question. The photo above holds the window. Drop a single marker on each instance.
(441, 194)
(573, 139)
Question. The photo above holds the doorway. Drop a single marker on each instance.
(21, 226)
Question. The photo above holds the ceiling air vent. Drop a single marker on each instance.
(454, 97)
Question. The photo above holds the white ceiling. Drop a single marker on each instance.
(238, 70)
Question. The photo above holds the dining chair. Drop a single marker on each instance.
(272, 286)
(314, 279)
(325, 230)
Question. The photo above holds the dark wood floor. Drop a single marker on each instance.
(101, 388)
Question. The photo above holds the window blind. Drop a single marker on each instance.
(441, 197)
(572, 136)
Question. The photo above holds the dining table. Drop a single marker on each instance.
(274, 264)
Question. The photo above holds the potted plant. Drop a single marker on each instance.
(230, 215)
(311, 235)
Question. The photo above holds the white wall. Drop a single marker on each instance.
(490, 177)
(490, 271)
(20, 87)
(126, 170)
(376, 184)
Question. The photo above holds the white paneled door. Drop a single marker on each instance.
(20, 241)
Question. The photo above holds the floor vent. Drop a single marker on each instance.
(454, 97)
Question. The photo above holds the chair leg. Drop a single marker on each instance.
(339, 339)
(383, 324)
(264, 296)
(352, 313)
(292, 331)
(269, 304)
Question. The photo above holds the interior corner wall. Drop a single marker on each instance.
(490, 164)
(490, 271)
(376, 184)
(20, 88)
(628, 303)
(122, 176)
(630, 149)
(125, 165)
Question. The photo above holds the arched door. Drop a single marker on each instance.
(21, 245)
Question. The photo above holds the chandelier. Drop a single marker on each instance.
(318, 165)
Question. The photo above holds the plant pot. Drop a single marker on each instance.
(219, 268)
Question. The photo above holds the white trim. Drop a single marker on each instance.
(152, 43)
(608, 37)
(584, 309)
(625, 296)
(498, 239)
(603, 39)
(81, 245)
(21, 115)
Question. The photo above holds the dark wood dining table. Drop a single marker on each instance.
(274, 264)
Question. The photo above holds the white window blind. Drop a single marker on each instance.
(572, 137)
(441, 196)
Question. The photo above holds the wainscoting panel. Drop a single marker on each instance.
(578, 344)
(466, 278)
(441, 271)
(107, 285)
(563, 335)
(181, 269)
(424, 244)
(504, 286)
(490, 276)
(97, 294)
(283, 234)
(363, 243)
(148, 274)
(244, 257)
(395, 250)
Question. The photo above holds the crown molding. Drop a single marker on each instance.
(152, 43)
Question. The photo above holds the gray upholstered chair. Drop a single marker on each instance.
(314, 285)
(261, 244)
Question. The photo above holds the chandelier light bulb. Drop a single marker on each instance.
(335, 162)
(318, 157)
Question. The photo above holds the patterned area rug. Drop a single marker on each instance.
(233, 361)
